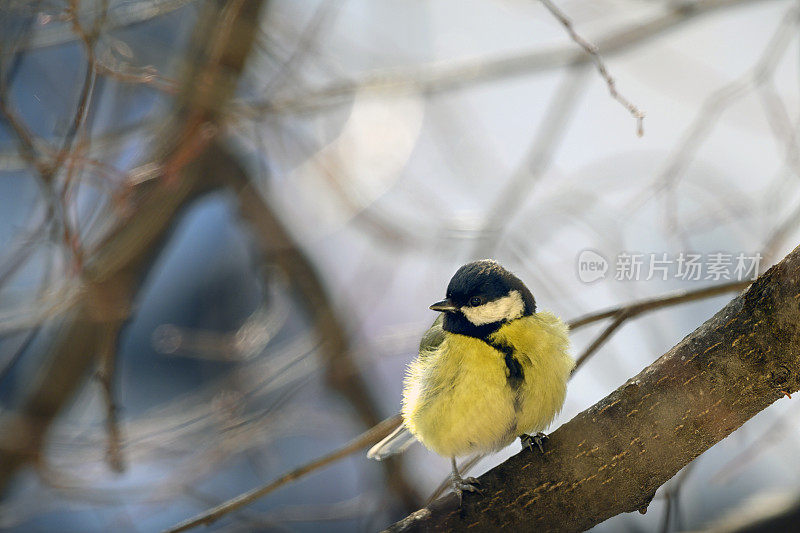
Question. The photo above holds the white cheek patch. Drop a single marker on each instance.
(505, 308)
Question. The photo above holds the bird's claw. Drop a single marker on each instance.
(529, 440)
(460, 485)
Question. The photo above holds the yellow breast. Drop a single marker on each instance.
(458, 399)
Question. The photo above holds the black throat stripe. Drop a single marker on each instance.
(515, 373)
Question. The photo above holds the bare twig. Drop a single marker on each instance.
(324, 15)
(367, 438)
(535, 163)
(105, 375)
(658, 302)
(125, 254)
(89, 39)
(721, 99)
(623, 313)
(437, 78)
(619, 319)
(342, 372)
(141, 75)
(779, 235)
(123, 16)
(672, 497)
(592, 50)
(25, 140)
(783, 130)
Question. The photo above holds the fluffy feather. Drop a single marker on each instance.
(457, 398)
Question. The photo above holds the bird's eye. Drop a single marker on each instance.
(475, 301)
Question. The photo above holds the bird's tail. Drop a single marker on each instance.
(397, 442)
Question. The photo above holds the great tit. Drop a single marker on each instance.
(489, 370)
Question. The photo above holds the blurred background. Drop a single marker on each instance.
(222, 223)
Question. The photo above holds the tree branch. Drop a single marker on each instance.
(437, 78)
(114, 271)
(105, 375)
(623, 313)
(342, 372)
(599, 64)
(613, 457)
(664, 300)
(370, 436)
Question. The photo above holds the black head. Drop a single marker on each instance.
(482, 296)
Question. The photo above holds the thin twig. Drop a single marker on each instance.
(105, 375)
(547, 140)
(325, 13)
(721, 99)
(123, 257)
(672, 496)
(89, 39)
(781, 428)
(784, 131)
(591, 49)
(142, 75)
(367, 438)
(779, 235)
(436, 78)
(657, 302)
(25, 139)
(133, 13)
(342, 372)
(601, 339)
(623, 313)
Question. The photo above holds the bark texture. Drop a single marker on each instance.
(612, 457)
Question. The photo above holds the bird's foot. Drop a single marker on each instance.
(460, 485)
(529, 440)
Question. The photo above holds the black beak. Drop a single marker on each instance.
(444, 306)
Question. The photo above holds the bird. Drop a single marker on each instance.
(489, 370)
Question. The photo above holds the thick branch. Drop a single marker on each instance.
(613, 457)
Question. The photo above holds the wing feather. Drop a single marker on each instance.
(397, 442)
